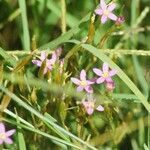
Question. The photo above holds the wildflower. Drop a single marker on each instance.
(5, 135)
(105, 11)
(83, 83)
(89, 105)
(42, 59)
(104, 74)
(110, 86)
(49, 62)
(120, 20)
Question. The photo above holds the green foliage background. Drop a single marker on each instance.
(47, 111)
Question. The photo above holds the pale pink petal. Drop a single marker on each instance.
(111, 7)
(54, 57)
(75, 80)
(103, 19)
(112, 16)
(85, 103)
(108, 79)
(8, 141)
(89, 82)
(37, 62)
(105, 67)
(83, 75)
(10, 132)
(43, 55)
(100, 80)
(112, 72)
(99, 11)
(103, 4)
(89, 89)
(89, 110)
(98, 71)
(80, 88)
(49, 66)
(2, 128)
(1, 141)
(100, 108)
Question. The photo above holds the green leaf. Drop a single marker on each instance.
(7, 57)
(26, 36)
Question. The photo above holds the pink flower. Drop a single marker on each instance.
(110, 86)
(105, 11)
(43, 58)
(83, 84)
(49, 62)
(5, 135)
(89, 105)
(120, 20)
(104, 74)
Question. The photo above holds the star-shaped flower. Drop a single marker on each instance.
(104, 74)
(105, 11)
(5, 135)
(89, 105)
(83, 83)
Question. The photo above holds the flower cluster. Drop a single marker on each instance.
(49, 62)
(5, 135)
(104, 75)
(106, 12)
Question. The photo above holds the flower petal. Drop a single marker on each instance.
(37, 62)
(98, 71)
(103, 4)
(83, 75)
(103, 19)
(75, 80)
(10, 132)
(99, 11)
(108, 79)
(2, 128)
(100, 108)
(105, 67)
(43, 55)
(112, 16)
(100, 80)
(80, 88)
(54, 57)
(85, 104)
(89, 82)
(89, 89)
(89, 110)
(49, 66)
(111, 7)
(8, 141)
(112, 72)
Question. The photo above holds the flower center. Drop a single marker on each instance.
(106, 12)
(2, 136)
(83, 83)
(105, 74)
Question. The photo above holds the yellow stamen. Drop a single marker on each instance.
(106, 12)
(105, 74)
(83, 83)
(2, 136)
